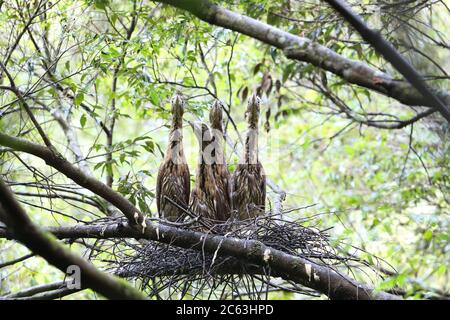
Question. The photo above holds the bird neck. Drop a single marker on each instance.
(204, 160)
(176, 130)
(251, 146)
(177, 122)
(176, 135)
(203, 156)
(175, 150)
(203, 173)
(218, 146)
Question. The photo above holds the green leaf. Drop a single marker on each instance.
(83, 120)
(428, 235)
(122, 158)
(113, 18)
(154, 98)
(79, 97)
(149, 146)
(98, 165)
(101, 4)
(142, 205)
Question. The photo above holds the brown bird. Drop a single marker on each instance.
(204, 193)
(248, 185)
(173, 181)
(219, 166)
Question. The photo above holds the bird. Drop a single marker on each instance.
(204, 193)
(173, 180)
(219, 166)
(248, 182)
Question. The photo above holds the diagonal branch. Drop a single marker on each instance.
(61, 164)
(12, 262)
(38, 242)
(49, 295)
(25, 105)
(391, 55)
(303, 49)
(36, 290)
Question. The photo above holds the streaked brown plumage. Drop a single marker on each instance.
(219, 166)
(204, 193)
(248, 185)
(173, 179)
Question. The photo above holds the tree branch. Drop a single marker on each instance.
(50, 295)
(27, 233)
(303, 49)
(289, 267)
(36, 289)
(391, 55)
(12, 262)
(113, 116)
(58, 162)
(25, 105)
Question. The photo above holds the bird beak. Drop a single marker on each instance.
(217, 105)
(195, 127)
(177, 100)
(253, 99)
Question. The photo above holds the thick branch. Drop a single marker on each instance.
(303, 49)
(27, 233)
(307, 273)
(391, 55)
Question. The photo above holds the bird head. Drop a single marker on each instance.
(252, 113)
(215, 115)
(178, 103)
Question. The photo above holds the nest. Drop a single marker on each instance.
(165, 271)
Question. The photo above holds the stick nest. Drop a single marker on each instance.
(165, 271)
